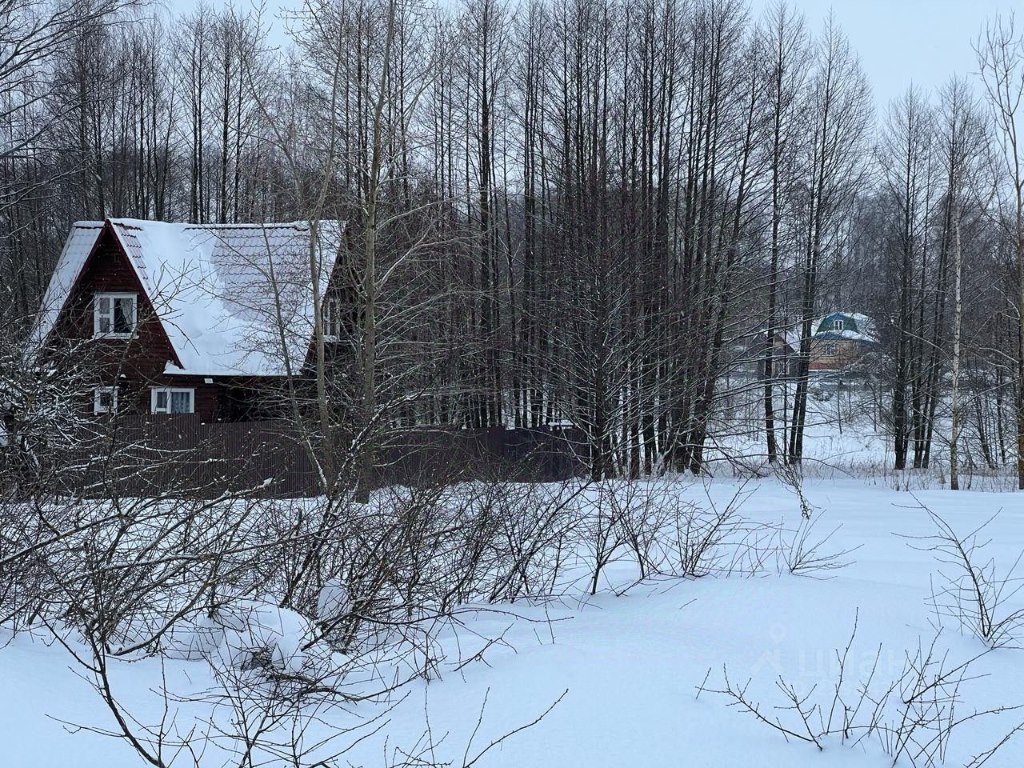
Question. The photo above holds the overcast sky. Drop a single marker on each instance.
(907, 41)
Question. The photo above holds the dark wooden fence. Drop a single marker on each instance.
(179, 454)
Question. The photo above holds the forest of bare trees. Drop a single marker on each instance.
(588, 212)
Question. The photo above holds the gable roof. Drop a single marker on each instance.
(233, 299)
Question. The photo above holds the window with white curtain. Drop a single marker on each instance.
(113, 315)
(172, 400)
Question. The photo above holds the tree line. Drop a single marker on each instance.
(594, 212)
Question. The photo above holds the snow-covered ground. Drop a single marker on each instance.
(625, 666)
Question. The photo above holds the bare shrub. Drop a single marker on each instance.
(805, 551)
(536, 535)
(791, 476)
(643, 514)
(601, 529)
(969, 588)
(912, 717)
(714, 539)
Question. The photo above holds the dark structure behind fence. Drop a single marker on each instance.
(180, 454)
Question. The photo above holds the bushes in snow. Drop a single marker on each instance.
(304, 606)
(913, 717)
(970, 589)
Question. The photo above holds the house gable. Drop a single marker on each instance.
(107, 269)
(132, 366)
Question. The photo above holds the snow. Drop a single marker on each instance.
(333, 601)
(233, 299)
(629, 660)
(243, 635)
(72, 258)
(255, 631)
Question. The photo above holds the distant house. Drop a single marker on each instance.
(188, 318)
(839, 341)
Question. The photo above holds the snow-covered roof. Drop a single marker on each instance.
(76, 250)
(234, 299)
(856, 327)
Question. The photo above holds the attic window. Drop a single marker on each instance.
(172, 400)
(113, 315)
(331, 318)
(837, 325)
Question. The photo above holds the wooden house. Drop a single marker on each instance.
(840, 340)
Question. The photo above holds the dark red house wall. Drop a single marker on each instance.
(137, 364)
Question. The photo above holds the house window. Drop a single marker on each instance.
(837, 325)
(172, 400)
(104, 400)
(113, 315)
(331, 318)
(831, 350)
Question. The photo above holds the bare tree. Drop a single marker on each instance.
(840, 106)
(965, 157)
(907, 162)
(1000, 50)
(785, 40)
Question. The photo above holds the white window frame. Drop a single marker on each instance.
(169, 391)
(97, 316)
(330, 318)
(837, 325)
(97, 405)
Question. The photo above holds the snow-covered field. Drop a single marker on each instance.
(637, 670)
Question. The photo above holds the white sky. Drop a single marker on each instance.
(901, 42)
